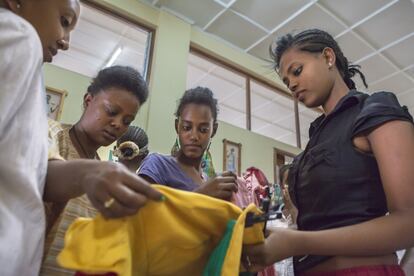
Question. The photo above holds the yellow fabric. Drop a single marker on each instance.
(171, 237)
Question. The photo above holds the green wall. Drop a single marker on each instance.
(168, 82)
(75, 84)
(168, 79)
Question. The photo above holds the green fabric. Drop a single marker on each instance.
(215, 263)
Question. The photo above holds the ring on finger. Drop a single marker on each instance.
(109, 203)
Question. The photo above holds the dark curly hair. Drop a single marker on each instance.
(315, 41)
(198, 95)
(123, 77)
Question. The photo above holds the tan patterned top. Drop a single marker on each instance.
(60, 216)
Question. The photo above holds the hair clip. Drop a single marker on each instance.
(127, 150)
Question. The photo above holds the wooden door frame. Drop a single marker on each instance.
(279, 152)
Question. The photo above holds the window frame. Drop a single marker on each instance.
(249, 77)
(129, 19)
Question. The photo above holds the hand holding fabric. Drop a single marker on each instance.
(221, 186)
(112, 188)
(115, 191)
(277, 246)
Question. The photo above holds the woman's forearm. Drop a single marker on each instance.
(64, 178)
(379, 236)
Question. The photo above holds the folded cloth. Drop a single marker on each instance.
(171, 237)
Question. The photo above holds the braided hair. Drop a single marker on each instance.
(315, 41)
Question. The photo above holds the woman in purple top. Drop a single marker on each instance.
(195, 124)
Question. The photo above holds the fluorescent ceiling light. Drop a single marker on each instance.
(114, 56)
(225, 3)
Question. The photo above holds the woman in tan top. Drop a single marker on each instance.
(110, 105)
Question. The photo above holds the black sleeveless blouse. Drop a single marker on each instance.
(332, 183)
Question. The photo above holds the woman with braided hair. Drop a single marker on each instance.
(356, 168)
(132, 148)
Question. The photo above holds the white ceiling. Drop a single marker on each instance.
(96, 38)
(377, 34)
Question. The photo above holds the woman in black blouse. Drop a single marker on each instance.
(356, 168)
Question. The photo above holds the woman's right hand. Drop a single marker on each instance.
(222, 186)
(111, 187)
(115, 191)
(280, 244)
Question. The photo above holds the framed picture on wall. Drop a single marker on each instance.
(231, 156)
(54, 100)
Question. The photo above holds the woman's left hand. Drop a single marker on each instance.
(221, 186)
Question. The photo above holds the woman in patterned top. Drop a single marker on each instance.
(110, 105)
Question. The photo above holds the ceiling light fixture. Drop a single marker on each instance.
(224, 3)
(114, 56)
